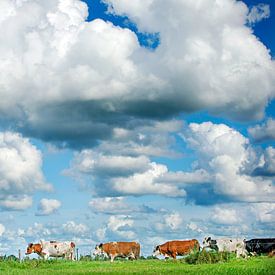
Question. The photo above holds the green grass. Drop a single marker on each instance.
(257, 265)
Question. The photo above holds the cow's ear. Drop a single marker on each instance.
(157, 247)
(208, 239)
(100, 245)
(30, 244)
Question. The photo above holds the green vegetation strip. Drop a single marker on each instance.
(258, 265)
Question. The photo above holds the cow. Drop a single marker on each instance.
(176, 248)
(130, 250)
(259, 246)
(226, 245)
(46, 249)
(271, 253)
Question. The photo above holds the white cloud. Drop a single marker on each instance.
(222, 215)
(146, 183)
(173, 221)
(118, 223)
(71, 227)
(110, 205)
(47, 207)
(58, 60)
(264, 212)
(194, 227)
(16, 202)
(121, 175)
(258, 13)
(225, 154)
(20, 171)
(263, 132)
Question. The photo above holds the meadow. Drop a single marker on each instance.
(254, 265)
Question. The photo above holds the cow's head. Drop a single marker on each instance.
(98, 249)
(156, 251)
(206, 242)
(34, 248)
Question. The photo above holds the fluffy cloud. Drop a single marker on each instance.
(21, 171)
(47, 207)
(267, 163)
(121, 175)
(95, 77)
(263, 132)
(226, 216)
(258, 13)
(226, 155)
(264, 212)
(74, 228)
(120, 225)
(110, 205)
(173, 220)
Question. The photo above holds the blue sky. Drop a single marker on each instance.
(136, 120)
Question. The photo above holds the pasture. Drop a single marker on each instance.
(255, 265)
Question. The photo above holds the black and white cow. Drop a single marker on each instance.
(259, 246)
(226, 245)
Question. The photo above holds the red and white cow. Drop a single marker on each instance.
(176, 248)
(46, 249)
(129, 250)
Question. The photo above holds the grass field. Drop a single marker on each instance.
(258, 265)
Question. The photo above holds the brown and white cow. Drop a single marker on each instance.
(52, 249)
(176, 248)
(130, 250)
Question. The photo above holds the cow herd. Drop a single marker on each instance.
(131, 250)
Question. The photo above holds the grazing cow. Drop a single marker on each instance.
(226, 245)
(52, 249)
(129, 250)
(176, 248)
(259, 246)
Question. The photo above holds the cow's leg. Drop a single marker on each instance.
(112, 258)
(174, 255)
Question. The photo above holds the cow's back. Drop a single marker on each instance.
(262, 245)
(122, 248)
(182, 247)
(57, 249)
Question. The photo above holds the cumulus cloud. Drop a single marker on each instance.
(226, 154)
(47, 207)
(21, 171)
(263, 132)
(74, 228)
(222, 215)
(194, 227)
(110, 175)
(266, 166)
(95, 77)
(258, 13)
(121, 226)
(173, 220)
(110, 205)
(264, 212)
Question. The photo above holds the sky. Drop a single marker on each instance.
(136, 120)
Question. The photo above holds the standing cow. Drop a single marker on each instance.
(226, 245)
(129, 250)
(259, 246)
(176, 248)
(47, 249)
